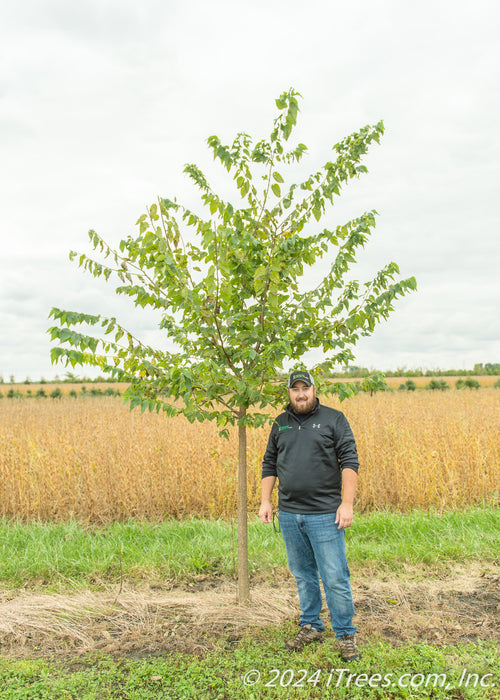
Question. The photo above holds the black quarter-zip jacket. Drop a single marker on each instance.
(308, 457)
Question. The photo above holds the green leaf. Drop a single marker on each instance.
(233, 310)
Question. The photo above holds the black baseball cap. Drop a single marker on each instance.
(302, 376)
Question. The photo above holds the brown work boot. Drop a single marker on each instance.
(305, 635)
(348, 648)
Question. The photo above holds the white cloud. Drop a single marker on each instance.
(101, 104)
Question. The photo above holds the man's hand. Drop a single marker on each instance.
(344, 515)
(344, 512)
(266, 508)
(266, 512)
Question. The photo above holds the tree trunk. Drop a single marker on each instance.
(243, 580)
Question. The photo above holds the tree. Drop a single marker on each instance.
(469, 383)
(225, 282)
(437, 384)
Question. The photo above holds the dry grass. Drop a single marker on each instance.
(427, 449)
(136, 618)
(460, 606)
(94, 460)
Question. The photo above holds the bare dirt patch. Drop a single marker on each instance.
(462, 605)
(458, 607)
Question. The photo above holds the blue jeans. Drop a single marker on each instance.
(315, 544)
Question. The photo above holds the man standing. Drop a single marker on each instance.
(312, 452)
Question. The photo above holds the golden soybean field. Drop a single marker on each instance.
(94, 460)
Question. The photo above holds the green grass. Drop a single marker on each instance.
(426, 538)
(71, 554)
(409, 671)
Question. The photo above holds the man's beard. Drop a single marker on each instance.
(303, 406)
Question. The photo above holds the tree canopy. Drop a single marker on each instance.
(231, 287)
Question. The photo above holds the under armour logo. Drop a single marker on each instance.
(316, 425)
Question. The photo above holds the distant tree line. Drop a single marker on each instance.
(370, 387)
(69, 378)
(57, 393)
(352, 372)
(469, 383)
(480, 369)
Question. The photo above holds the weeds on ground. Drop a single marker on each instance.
(259, 667)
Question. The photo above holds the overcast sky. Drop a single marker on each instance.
(103, 102)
